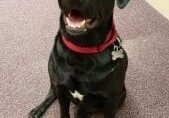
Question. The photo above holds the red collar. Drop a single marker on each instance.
(110, 39)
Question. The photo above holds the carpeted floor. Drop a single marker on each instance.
(27, 30)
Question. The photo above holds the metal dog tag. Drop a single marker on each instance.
(117, 53)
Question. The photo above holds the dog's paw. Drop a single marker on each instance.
(35, 113)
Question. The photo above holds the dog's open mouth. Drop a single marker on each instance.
(76, 22)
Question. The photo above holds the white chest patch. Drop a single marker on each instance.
(77, 95)
(117, 54)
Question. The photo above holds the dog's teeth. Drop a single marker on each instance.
(75, 24)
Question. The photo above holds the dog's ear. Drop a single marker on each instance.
(122, 3)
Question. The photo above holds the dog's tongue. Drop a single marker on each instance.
(75, 16)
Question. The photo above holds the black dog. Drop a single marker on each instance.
(87, 65)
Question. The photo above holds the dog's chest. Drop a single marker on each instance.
(77, 70)
(79, 62)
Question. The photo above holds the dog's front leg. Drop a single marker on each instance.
(64, 104)
(64, 107)
(81, 112)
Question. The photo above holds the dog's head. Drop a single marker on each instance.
(82, 16)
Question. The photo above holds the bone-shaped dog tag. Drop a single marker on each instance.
(117, 54)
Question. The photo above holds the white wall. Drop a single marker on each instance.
(160, 5)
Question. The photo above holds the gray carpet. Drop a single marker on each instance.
(27, 30)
